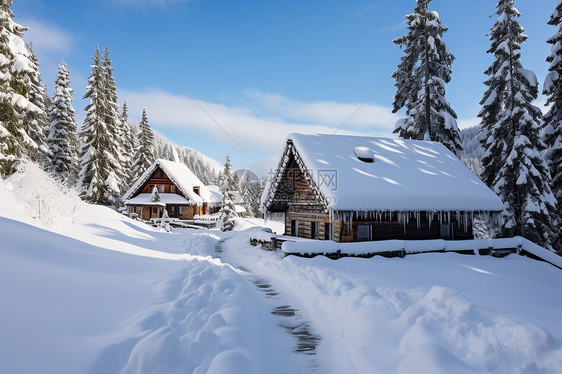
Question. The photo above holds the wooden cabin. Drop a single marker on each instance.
(356, 188)
(172, 186)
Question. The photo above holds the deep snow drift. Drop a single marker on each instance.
(86, 290)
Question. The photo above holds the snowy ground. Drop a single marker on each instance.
(85, 290)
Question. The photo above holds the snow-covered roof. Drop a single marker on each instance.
(404, 175)
(183, 178)
(165, 199)
(215, 190)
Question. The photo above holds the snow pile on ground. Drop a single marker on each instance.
(324, 247)
(431, 313)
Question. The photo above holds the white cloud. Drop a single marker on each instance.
(355, 115)
(264, 120)
(47, 38)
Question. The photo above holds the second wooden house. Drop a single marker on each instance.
(172, 186)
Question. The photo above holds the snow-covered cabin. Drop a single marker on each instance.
(172, 186)
(358, 188)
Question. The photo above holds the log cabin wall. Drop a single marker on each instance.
(305, 221)
(188, 211)
(380, 230)
(390, 228)
(163, 183)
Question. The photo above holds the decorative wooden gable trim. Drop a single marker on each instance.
(280, 177)
(156, 175)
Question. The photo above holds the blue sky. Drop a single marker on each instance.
(261, 69)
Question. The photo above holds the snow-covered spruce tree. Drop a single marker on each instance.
(227, 188)
(128, 145)
(247, 193)
(144, 155)
(514, 152)
(38, 123)
(63, 140)
(97, 155)
(421, 77)
(113, 121)
(552, 121)
(16, 111)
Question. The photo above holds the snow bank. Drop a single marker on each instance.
(325, 247)
(432, 313)
(92, 291)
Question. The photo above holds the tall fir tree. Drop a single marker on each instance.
(38, 124)
(20, 137)
(63, 140)
(128, 145)
(421, 77)
(514, 164)
(552, 121)
(114, 122)
(144, 155)
(227, 189)
(97, 154)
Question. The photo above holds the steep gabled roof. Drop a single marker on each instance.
(181, 176)
(360, 173)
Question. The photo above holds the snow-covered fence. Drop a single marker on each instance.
(401, 248)
(265, 237)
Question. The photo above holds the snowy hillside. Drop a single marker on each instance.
(174, 152)
(472, 152)
(86, 290)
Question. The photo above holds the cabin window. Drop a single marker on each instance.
(446, 231)
(328, 228)
(161, 188)
(294, 227)
(180, 210)
(363, 233)
(314, 230)
(173, 188)
(196, 190)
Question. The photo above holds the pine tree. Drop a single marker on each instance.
(513, 164)
(113, 121)
(552, 121)
(97, 174)
(144, 155)
(129, 144)
(247, 193)
(38, 123)
(63, 140)
(17, 113)
(420, 78)
(227, 188)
